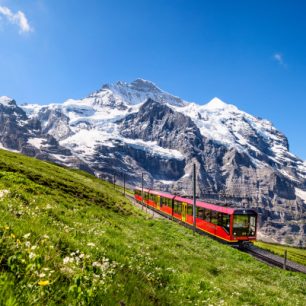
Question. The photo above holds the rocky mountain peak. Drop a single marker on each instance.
(217, 106)
(124, 95)
(7, 101)
(144, 85)
(216, 103)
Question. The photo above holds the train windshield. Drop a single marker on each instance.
(244, 225)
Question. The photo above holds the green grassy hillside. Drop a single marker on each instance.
(68, 238)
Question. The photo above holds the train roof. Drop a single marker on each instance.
(222, 209)
(245, 211)
(140, 189)
(162, 194)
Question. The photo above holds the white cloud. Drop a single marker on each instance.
(280, 59)
(18, 18)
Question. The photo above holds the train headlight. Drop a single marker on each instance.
(235, 234)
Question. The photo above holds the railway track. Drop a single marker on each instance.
(260, 254)
(273, 260)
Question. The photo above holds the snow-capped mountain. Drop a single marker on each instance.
(138, 128)
(226, 124)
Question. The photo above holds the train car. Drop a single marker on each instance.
(231, 225)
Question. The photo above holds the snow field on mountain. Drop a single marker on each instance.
(301, 194)
(36, 142)
(4, 100)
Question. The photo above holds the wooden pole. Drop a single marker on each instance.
(285, 260)
(194, 198)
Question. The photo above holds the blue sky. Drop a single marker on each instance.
(248, 53)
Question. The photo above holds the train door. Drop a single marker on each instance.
(158, 202)
(184, 211)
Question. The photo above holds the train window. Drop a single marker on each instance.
(200, 213)
(207, 215)
(169, 202)
(138, 192)
(252, 223)
(241, 221)
(164, 201)
(190, 210)
(244, 225)
(219, 218)
(214, 217)
(177, 207)
(224, 220)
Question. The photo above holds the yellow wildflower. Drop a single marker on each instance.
(13, 236)
(43, 283)
(6, 227)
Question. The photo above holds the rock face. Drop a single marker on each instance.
(137, 128)
(18, 132)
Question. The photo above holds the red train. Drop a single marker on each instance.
(231, 225)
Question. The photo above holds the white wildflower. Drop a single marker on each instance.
(3, 193)
(67, 260)
(26, 236)
(91, 244)
(41, 275)
(32, 255)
